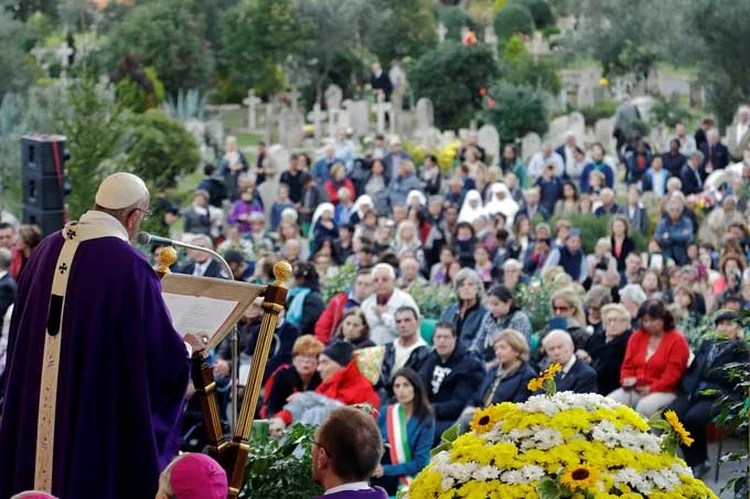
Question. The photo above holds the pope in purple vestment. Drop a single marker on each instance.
(122, 375)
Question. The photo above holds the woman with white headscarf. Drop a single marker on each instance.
(502, 202)
(323, 225)
(472, 207)
(416, 199)
(362, 205)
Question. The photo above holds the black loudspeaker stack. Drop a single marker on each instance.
(43, 181)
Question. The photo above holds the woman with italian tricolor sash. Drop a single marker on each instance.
(408, 429)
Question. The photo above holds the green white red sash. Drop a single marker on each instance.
(398, 440)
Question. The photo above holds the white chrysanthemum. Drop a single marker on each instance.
(680, 470)
(446, 483)
(663, 479)
(513, 477)
(532, 473)
(461, 472)
(630, 477)
(484, 473)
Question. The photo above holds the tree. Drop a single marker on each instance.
(159, 149)
(454, 19)
(515, 110)
(540, 11)
(452, 75)
(720, 25)
(410, 32)
(15, 74)
(342, 29)
(93, 125)
(512, 19)
(258, 36)
(167, 35)
(23, 9)
(520, 68)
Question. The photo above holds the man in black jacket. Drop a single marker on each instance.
(408, 350)
(201, 263)
(575, 376)
(707, 372)
(451, 375)
(716, 154)
(690, 175)
(7, 285)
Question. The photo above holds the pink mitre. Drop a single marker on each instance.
(197, 476)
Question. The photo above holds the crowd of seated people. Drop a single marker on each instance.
(619, 311)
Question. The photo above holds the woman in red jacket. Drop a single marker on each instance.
(342, 384)
(655, 360)
(337, 181)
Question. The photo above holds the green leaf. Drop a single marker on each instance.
(550, 489)
(450, 435)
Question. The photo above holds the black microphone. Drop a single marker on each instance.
(145, 238)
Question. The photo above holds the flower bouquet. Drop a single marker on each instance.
(561, 445)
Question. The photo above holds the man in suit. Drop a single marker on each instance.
(381, 82)
(738, 134)
(575, 376)
(716, 154)
(7, 284)
(690, 175)
(201, 263)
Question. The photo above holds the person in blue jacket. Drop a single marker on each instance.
(408, 429)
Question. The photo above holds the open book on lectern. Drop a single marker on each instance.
(206, 306)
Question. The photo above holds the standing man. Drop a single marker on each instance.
(381, 82)
(96, 373)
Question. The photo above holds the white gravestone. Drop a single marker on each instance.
(577, 124)
(252, 109)
(317, 116)
(381, 107)
(489, 139)
(359, 116)
(531, 144)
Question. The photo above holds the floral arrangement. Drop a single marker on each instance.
(561, 445)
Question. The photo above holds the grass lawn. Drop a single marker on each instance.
(234, 119)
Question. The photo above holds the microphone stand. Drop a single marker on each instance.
(235, 332)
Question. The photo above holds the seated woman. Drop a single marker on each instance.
(408, 428)
(503, 314)
(467, 313)
(300, 376)
(655, 360)
(354, 329)
(605, 349)
(304, 303)
(507, 381)
(696, 409)
(342, 384)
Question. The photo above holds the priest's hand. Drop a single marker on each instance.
(197, 343)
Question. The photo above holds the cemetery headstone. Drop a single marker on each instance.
(252, 109)
(381, 107)
(359, 116)
(441, 32)
(585, 95)
(489, 139)
(531, 144)
(577, 124)
(557, 129)
(490, 38)
(316, 116)
(425, 113)
(603, 132)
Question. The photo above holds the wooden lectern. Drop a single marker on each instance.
(231, 451)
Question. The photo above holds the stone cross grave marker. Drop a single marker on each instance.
(531, 144)
(317, 116)
(63, 53)
(381, 107)
(441, 32)
(252, 109)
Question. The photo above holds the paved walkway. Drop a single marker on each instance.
(727, 470)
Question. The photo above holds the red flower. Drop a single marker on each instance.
(490, 103)
(482, 92)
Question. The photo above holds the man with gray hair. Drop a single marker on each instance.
(380, 308)
(632, 297)
(715, 154)
(690, 174)
(92, 348)
(201, 264)
(545, 157)
(575, 376)
(675, 232)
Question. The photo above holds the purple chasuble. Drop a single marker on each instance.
(123, 372)
(372, 493)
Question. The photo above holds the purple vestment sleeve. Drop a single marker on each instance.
(122, 378)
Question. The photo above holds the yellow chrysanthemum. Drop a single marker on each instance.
(485, 419)
(548, 375)
(579, 477)
(679, 429)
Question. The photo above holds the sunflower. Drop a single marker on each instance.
(548, 375)
(485, 419)
(679, 429)
(579, 477)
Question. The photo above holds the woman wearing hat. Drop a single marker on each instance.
(342, 384)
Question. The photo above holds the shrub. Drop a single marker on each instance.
(159, 149)
(520, 68)
(455, 18)
(432, 299)
(593, 228)
(135, 97)
(512, 19)
(451, 76)
(666, 113)
(600, 110)
(540, 11)
(515, 110)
